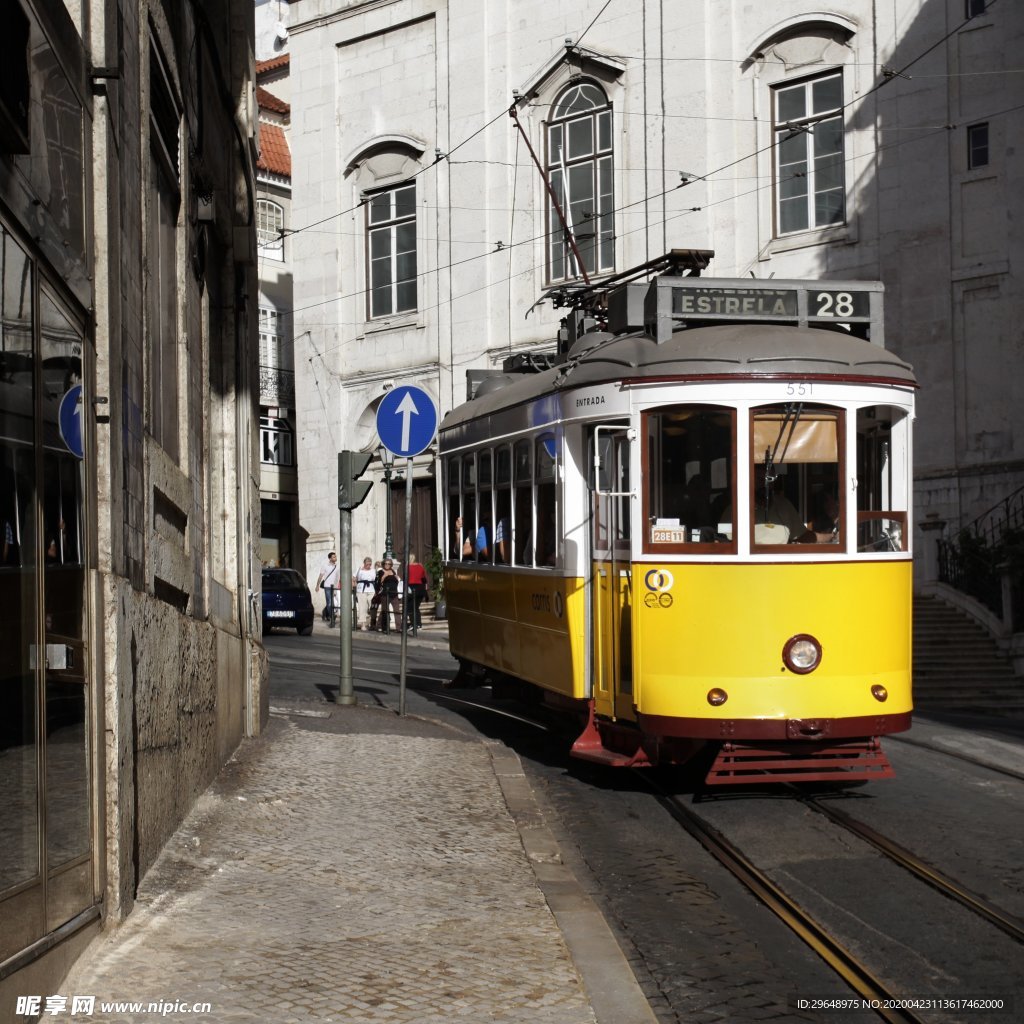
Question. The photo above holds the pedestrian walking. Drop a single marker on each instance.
(417, 591)
(328, 580)
(364, 581)
(387, 591)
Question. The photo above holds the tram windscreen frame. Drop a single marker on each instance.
(797, 456)
(689, 459)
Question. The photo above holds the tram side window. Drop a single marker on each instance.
(523, 504)
(485, 511)
(795, 473)
(468, 507)
(546, 548)
(883, 445)
(690, 486)
(503, 505)
(452, 470)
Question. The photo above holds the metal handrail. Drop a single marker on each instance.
(974, 564)
(1012, 507)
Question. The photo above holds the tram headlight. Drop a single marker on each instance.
(802, 654)
(717, 697)
(880, 693)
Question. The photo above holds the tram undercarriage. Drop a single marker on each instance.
(804, 750)
(738, 763)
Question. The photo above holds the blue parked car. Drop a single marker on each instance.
(286, 601)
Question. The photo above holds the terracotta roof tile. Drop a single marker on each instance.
(272, 63)
(268, 100)
(275, 156)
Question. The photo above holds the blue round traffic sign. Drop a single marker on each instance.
(407, 420)
(69, 419)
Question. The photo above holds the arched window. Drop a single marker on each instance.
(579, 165)
(269, 227)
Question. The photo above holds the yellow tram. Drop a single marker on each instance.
(695, 529)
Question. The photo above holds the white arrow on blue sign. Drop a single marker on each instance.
(69, 419)
(407, 420)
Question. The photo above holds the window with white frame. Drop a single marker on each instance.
(277, 446)
(579, 165)
(270, 338)
(391, 230)
(269, 229)
(810, 169)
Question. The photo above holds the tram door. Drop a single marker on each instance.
(611, 589)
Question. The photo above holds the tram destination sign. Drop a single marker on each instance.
(752, 303)
(855, 304)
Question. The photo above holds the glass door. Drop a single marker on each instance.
(46, 871)
(21, 891)
(611, 649)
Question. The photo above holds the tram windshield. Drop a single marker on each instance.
(690, 455)
(796, 468)
(800, 495)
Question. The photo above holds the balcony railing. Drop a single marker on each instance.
(277, 386)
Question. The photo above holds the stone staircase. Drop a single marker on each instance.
(957, 664)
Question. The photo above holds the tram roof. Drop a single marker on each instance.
(742, 351)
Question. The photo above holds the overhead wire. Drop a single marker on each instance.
(886, 78)
(706, 177)
(535, 267)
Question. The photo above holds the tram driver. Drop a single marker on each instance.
(772, 506)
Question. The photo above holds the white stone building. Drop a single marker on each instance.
(857, 139)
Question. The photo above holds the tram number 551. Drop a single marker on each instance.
(800, 389)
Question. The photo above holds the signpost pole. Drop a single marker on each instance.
(346, 690)
(406, 425)
(406, 596)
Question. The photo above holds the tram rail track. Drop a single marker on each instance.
(926, 873)
(956, 755)
(837, 956)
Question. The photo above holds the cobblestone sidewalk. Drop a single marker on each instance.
(357, 877)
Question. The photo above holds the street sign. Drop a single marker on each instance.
(407, 420)
(69, 419)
